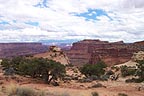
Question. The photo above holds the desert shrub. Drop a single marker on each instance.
(110, 72)
(93, 69)
(135, 80)
(126, 71)
(104, 77)
(140, 70)
(130, 80)
(122, 94)
(94, 77)
(94, 94)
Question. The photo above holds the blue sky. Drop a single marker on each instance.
(63, 20)
(32, 23)
(92, 14)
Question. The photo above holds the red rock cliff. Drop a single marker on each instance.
(92, 51)
(20, 49)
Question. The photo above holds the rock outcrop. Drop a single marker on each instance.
(20, 49)
(138, 56)
(54, 53)
(92, 51)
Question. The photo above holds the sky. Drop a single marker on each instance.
(71, 20)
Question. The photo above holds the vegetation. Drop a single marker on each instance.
(46, 69)
(93, 69)
(127, 71)
(15, 90)
(140, 70)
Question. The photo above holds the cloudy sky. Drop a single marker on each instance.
(71, 20)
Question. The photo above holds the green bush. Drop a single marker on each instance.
(126, 71)
(140, 70)
(93, 69)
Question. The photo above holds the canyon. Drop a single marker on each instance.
(92, 51)
(8, 50)
(87, 51)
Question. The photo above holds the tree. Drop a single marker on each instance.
(93, 69)
(36, 68)
(56, 70)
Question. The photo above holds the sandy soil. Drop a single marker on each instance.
(81, 89)
(74, 88)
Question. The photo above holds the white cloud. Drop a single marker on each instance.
(56, 21)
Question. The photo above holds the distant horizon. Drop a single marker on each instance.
(53, 42)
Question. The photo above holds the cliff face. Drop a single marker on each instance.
(140, 44)
(18, 49)
(92, 51)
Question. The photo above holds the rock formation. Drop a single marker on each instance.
(55, 53)
(17, 49)
(138, 56)
(92, 51)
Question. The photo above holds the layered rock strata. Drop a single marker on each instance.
(20, 49)
(92, 51)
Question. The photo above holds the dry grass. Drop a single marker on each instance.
(15, 90)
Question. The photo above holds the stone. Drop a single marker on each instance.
(92, 51)
(54, 53)
(138, 56)
(8, 50)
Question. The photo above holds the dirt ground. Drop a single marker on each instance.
(80, 89)
(73, 88)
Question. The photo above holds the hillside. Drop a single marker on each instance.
(54, 53)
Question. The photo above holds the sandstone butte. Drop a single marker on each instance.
(112, 53)
(54, 53)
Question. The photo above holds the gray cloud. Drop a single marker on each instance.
(57, 22)
(133, 3)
